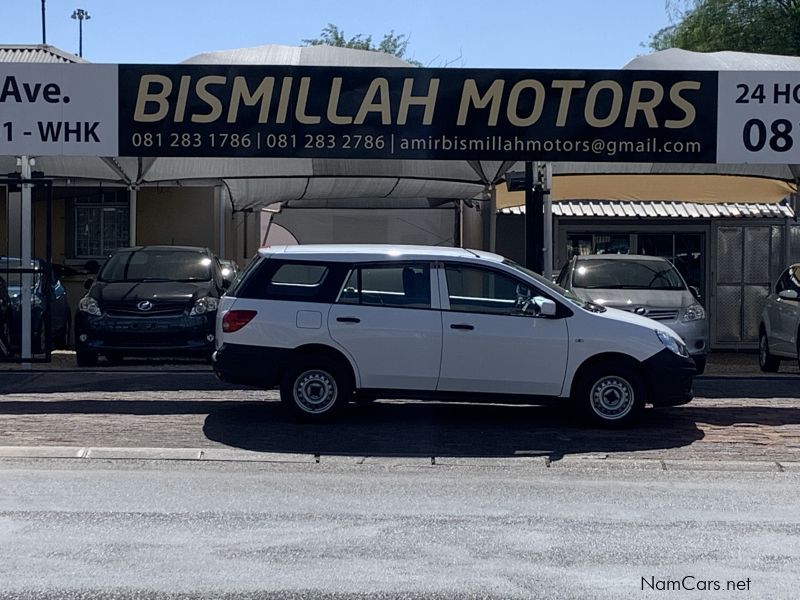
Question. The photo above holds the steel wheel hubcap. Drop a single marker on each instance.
(315, 391)
(612, 397)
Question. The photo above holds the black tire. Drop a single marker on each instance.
(61, 341)
(610, 395)
(86, 358)
(700, 364)
(769, 363)
(316, 387)
(40, 341)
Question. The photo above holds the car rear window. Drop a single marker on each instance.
(300, 275)
(275, 279)
(626, 274)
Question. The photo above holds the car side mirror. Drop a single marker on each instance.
(547, 308)
(88, 283)
(695, 291)
(788, 294)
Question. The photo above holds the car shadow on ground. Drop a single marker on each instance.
(786, 386)
(424, 429)
(46, 382)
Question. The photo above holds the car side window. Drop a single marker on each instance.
(789, 280)
(485, 291)
(399, 286)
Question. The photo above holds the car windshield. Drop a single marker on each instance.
(548, 284)
(156, 265)
(629, 274)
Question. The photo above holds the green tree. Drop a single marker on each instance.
(763, 26)
(392, 43)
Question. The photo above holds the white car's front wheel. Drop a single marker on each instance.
(610, 395)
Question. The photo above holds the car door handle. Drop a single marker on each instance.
(463, 326)
(348, 319)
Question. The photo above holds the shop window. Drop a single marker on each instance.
(101, 223)
(581, 244)
(684, 250)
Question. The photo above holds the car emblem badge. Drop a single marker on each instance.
(640, 310)
(144, 305)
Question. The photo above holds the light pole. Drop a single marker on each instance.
(82, 16)
(44, 30)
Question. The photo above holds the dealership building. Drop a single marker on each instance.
(731, 230)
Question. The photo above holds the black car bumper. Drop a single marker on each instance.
(146, 336)
(670, 378)
(250, 365)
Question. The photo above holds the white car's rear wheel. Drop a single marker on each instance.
(316, 387)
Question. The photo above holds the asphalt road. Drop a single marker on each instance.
(163, 529)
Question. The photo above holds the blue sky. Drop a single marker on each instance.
(583, 34)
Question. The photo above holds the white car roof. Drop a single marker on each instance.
(369, 252)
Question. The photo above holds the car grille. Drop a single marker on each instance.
(658, 314)
(160, 309)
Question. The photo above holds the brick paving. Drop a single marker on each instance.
(732, 419)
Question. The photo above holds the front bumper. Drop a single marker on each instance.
(147, 336)
(669, 378)
(693, 333)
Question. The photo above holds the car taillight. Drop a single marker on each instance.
(234, 320)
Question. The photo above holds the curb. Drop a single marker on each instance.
(600, 463)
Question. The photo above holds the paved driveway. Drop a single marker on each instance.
(732, 419)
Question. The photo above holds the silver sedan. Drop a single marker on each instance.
(780, 319)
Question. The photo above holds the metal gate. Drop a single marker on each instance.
(26, 283)
(742, 279)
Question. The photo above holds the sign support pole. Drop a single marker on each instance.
(25, 255)
(133, 194)
(534, 219)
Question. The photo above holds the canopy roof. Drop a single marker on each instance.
(675, 59)
(257, 182)
(635, 187)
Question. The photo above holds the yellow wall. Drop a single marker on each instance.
(176, 216)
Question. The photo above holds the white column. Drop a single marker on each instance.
(219, 194)
(133, 196)
(26, 238)
(548, 221)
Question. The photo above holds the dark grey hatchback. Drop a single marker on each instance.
(150, 301)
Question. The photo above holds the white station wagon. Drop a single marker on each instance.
(332, 324)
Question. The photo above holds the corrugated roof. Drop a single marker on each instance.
(36, 53)
(655, 210)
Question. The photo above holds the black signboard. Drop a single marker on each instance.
(348, 112)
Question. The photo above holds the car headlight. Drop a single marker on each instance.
(16, 300)
(89, 305)
(693, 313)
(673, 343)
(204, 305)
